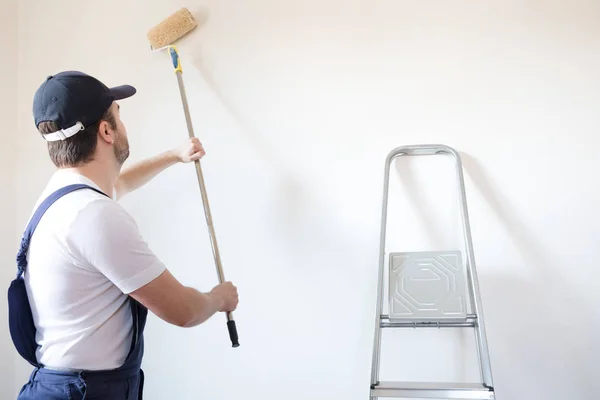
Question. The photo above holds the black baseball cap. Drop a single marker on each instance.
(74, 101)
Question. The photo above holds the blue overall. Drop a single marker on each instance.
(123, 383)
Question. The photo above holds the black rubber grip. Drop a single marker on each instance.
(233, 335)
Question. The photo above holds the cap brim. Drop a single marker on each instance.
(122, 92)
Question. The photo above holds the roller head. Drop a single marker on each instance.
(171, 29)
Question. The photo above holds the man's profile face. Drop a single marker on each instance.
(121, 146)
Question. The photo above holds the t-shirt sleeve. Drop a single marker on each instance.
(108, 238)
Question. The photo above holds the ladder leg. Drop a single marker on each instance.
(480, 334)
(380, 292)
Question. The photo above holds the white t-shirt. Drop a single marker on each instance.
(85, 256)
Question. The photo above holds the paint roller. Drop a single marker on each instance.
(162, 36)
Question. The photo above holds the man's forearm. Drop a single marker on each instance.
(142, 172)
(181, 305)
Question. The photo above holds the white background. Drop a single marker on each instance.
(8, 241)
(298, 103)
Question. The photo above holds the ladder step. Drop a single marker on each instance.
(469, 322)
(433, 390)
(440, 324)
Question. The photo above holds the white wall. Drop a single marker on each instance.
(8, 239)
(298, 104)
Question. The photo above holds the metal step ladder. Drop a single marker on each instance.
(414, 279)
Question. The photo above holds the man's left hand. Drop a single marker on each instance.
(191, 150)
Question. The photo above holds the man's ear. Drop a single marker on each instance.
(105, 132)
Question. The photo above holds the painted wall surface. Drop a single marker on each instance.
(8, 239)
(298, 104)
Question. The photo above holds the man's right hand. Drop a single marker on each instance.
(227, 295)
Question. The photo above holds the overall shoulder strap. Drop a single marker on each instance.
(37, 216)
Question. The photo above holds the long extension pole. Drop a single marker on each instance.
(213, 237)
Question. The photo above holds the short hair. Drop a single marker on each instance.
(78, 149)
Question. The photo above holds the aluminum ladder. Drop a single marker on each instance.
(412, 275)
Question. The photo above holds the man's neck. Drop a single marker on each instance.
(104, 176)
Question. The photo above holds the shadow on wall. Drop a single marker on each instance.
(541, 329)
(419, 202)
(291, 197)
(291, 190)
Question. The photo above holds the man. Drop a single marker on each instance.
(86, 277)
